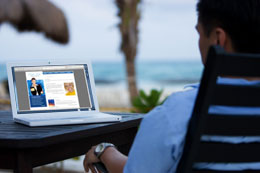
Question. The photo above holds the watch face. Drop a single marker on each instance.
(99, 148)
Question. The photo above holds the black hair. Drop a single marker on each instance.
(239, 18)
(33, 79)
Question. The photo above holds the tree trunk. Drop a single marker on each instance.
(129, 15)
(131, 78)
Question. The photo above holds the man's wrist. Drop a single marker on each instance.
(101, 148)
(107, 153)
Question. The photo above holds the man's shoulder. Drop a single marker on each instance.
(187, 95)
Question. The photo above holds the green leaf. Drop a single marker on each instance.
(143, 95)
(137, 102)
(144, 103)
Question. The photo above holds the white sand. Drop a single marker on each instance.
(3, 92)
(118, 96)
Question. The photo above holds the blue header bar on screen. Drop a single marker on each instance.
(58, 72)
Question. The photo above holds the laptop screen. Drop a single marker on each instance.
(52, 88)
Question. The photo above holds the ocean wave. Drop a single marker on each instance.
(179, 81)
(107, 81)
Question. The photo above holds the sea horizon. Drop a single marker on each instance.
(149, 74)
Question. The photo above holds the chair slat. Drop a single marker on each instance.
(229, 125)
(230, 95)
(228, 153)
(215, 171)
(243, 65)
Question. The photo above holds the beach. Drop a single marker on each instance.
(118, 97)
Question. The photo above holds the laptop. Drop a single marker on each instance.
(54, 93)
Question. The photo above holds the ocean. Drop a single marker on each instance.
(149, 74)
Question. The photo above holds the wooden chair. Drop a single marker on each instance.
(220, 63)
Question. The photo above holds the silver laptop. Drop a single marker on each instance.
(54, 93)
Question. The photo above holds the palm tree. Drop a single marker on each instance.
(129, 14)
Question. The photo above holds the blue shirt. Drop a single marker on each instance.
(159, 143)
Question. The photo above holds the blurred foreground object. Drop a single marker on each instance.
(36, 15)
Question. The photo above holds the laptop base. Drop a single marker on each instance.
(95, 118)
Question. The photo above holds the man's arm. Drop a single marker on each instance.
(111, 158)
(39, 89)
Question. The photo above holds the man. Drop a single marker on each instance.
(158, 146)
(35, 88)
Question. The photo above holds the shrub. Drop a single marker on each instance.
(144, 103)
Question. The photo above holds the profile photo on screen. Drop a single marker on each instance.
(35, 87)
(69, 88)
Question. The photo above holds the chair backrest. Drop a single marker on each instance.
(220, 63)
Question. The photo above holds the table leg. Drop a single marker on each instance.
(23, 163)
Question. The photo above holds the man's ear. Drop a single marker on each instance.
(220, 37)
(223, 39)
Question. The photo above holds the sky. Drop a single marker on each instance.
(166, 32)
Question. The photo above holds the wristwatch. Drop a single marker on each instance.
(101, 148)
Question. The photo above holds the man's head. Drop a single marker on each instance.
(233, 24)
(33, 80)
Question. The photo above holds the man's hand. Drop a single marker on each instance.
(90, 158)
